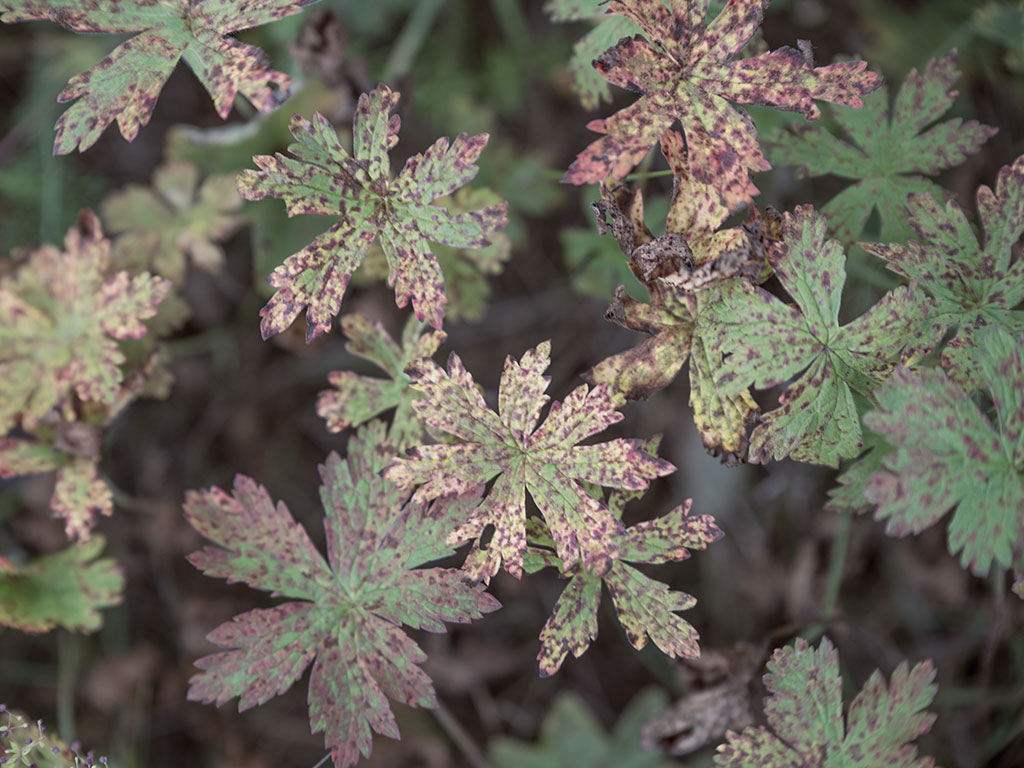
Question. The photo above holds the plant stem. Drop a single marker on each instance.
(648, 175)
(834, 578)
(67, 676)
(411, 38)
(458, 735)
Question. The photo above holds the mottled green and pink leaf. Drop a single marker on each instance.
(972, 283)
(345, 612)
(356, 399)
(806, 726)
(948, 455)
(683, 71)
(767, 342)
(61, 314)
(322, 178)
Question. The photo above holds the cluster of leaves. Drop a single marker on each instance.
(805, 715)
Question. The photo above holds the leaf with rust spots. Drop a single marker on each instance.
(322, 178)
(66, 589)
(345, 612)
(767, 342)
(682, 71)
(176, 221)
(972, 283)
(356, 399)
(465, 269)
(947, 455)
(126, 84)
(520, 453)
(684, 278)
(572, 735)
(645, 607)
(889, 152)
(806, 726)
(61, 315)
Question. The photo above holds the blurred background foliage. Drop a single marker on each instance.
(239, 404)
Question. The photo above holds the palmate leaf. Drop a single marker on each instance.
(645, 607)
(768, 342)
(682, 70)
(178, 220)
(571, 735)
(66, 589)
(946, 454)
(323, 178)
(972, 283)
(510, 448)
(889, 153)
(126, 84)
(805, 711)
(356, 399)
(684, 271)
(60, 315)
(345, 613)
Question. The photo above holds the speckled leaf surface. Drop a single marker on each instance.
(345, 612)
(66, 589)
(125, 85)
(889, 153)
(948, 455)
(61, 315)
(520, 455)
(645, 607)
(176, 221)
(572, 735)
(805, 711)
(356, 399)
(972, 283)
(321, 177)
(683, 71)
(768, 342)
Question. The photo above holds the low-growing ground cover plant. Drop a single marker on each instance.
(847, 349)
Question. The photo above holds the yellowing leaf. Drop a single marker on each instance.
(323, 178)
(126, 84)
(520, 455)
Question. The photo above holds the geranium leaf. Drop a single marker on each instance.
(889, 152)
(571, 735)
(645, 607)
(682, 70)
(60, 317)
(805, 711)
(972, 283)
(177, 220)
(684, 272)
(345, 612)
(356, 399)
(323, 178)
(510, 448)
(126, 84)
(767, 342)
(66, 589)
(976, 467)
